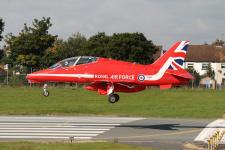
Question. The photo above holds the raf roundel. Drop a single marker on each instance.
(141, 77)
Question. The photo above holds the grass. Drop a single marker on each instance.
(179, 103)
(66, 146)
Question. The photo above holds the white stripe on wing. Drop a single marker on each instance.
(64, 75)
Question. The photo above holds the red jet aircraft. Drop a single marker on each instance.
(107, 76)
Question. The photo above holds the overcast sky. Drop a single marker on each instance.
(162, 21)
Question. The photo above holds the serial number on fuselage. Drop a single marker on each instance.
(115, 76)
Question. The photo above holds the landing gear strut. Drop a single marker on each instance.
(113, 98)
(45, 90)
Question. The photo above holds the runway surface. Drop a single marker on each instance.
(155, 132)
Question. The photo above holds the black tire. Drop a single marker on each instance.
(46, 93)
(117, 97)
(112, 98)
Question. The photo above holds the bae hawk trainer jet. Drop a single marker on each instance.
(108, 76)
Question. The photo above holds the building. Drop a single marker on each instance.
(199, 57)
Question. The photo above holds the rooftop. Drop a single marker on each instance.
(205, 53)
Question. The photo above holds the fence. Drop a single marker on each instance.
(16, 80)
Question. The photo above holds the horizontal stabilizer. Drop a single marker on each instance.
(184, 75)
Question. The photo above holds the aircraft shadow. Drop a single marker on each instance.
(165, 126)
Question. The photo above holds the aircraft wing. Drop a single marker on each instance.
(102, 87)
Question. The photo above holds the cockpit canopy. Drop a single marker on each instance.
(73, 61)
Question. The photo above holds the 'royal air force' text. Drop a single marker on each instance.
(115, 77)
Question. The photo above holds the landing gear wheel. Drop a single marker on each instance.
(117, 97)
(46, 93)
(112, 98)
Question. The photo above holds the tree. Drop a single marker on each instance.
(1, 30)
(72, 47)
(61, 49)
(1, 54)
(196, 75)
(98, 45)
(218, 42)
(51, 56)
(2, 24)
(30, 45)
(210, 73)
(133, 47)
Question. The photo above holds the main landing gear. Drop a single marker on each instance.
(45, 90)
(113, 98)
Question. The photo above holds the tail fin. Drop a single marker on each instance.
(177, 53)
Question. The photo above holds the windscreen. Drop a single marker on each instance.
(86, 59)
(74, 61)
(65, 63)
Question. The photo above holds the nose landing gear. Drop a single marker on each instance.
(45, 90)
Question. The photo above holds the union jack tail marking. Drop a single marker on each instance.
(177, 52)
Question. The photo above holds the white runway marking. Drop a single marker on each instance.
(55, 129)
(47, 131)
(27, 130)
(43, 137)
(80, 128)
(71, 124)
(210, 130)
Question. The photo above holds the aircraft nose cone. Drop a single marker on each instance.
(39, 76)
(34, 77)
(28, 76)
(31, 78)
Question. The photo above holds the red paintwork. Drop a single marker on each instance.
(124, 76)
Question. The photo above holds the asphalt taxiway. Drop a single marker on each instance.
(160, 133)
